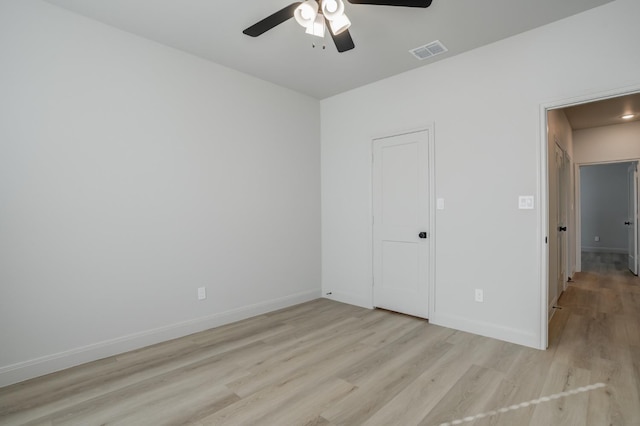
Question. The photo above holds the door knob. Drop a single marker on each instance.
(422, 235)
(562, 228)
(627, 223)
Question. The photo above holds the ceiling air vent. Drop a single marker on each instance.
(428, 50)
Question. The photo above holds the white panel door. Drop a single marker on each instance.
(632, 221)
(400, 223)
(561, 220)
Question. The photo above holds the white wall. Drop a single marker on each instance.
(604, 207)
(485, 105)
(608, 143)
(559, 131)
(130, 175)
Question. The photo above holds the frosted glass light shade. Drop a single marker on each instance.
(306, 13)
(340, 24)
(332, 9)
(317, 27)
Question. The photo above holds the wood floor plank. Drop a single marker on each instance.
(615, 404)
(213, 369)
(172, 403)
(566, 410)
(272, 372)
(635, 359)
(525, 370)
(609, 301)
(415, 401)
(250, 409)
(573, 348)
(632, 326)
(420, 335)
(327, 363)
(305, 407)
(390, 376)
(468, 396)
(281, 346)
(390, 325)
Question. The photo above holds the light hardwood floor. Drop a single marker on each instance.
(326, 363)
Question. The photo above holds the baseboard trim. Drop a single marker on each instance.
(349, 299)
(551, 310)
(604, 250)
(30, 369)
(486, 329)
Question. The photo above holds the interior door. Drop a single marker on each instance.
(561, 212)
(632, 217)
(400, 223)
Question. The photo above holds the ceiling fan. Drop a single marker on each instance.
(316, 15)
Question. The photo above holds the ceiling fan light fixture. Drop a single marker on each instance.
(306, 13)
(317, 27)
(332, 9)
(340, 24)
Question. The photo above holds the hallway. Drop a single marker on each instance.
(596, 331)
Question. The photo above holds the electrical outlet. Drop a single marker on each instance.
(596, 239)
(202, 293)
(479, 295)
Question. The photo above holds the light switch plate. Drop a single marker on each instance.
(525, 202)
(440, 203)
(202, 293)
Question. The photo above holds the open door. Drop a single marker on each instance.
(561, 220)
(632, 217)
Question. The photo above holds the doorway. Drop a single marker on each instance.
(561, 121)
(606, 212)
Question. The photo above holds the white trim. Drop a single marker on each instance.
(605, 250)
(578, 218)
(552, 311)
(543, 190)
(500, 332)
(432, 220)
(350, 298)
(543, 237)
(571, 221)
(25, 370)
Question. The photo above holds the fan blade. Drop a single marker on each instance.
(272, 21)
(403, 3)
(343, 40)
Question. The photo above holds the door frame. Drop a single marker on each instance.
(429, 128)
(563, 195)
(637, 217)
(543, 193)
(578, 203)
(571, 220)
(634, 215)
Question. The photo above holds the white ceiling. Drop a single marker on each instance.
(212, 29)
(603, 113)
